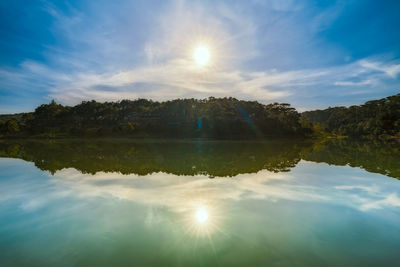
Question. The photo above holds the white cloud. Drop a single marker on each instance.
(391, 200)
(113, 63)
(180, 78)
(369, 188)
(392, 70)
(308, 182)
(358, 83)
(176, 192)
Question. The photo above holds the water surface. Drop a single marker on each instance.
(199, 203)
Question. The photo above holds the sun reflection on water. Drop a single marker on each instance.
(203, 220)
(201, 215)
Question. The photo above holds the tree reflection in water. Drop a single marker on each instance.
(192, 157)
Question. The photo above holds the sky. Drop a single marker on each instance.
(311, 54)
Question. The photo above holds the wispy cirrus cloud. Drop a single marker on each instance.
(180, 79)
(263, 51)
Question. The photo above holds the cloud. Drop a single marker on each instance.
(391, 200)
(375, 198)
(180, 78)
(368, 189)
(358, 83)
(309, 182)
(168, 70)
(392, 70)
(176, 79)
(147, 53)
(178, 192)
(181, 192)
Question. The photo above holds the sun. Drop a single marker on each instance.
(201, 55)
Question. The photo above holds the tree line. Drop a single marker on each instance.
(211, 117)
(223, 118)
(373, 119)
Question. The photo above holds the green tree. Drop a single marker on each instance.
(12, 126)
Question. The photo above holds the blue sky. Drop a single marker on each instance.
(312, 54)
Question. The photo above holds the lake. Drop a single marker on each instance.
(199, 203)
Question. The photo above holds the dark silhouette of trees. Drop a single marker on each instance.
(212, 117)
(9, 127)
(374, 119)
(214, 158)
(223, 118)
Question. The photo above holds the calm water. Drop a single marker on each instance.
(199, 203)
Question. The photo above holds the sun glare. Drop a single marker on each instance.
(201, 215)
(201, 55)
(202, 220)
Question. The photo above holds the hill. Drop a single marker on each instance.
(209, 118)
(374, 119)
(221, 118)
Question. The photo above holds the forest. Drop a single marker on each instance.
(221, 118)
(212, 117)
(374, 119)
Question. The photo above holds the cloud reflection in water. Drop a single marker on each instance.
(307, 182)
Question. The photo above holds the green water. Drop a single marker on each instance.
(199, 203)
